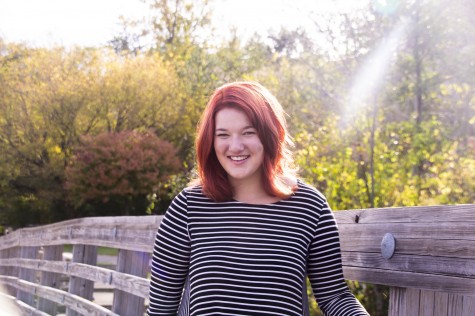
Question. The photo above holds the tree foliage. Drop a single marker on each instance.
(120, 168)
(376, 122)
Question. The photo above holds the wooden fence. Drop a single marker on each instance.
(425, 254)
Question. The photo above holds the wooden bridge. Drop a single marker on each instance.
(425, 254)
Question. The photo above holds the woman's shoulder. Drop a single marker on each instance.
(193, 191)
(307, 190)
(188, 195)
(194, 188)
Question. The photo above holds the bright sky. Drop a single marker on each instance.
(94, 22)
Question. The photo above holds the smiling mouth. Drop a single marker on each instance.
(238, 158)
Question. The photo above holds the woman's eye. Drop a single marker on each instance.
(249, 133)
(221, 135)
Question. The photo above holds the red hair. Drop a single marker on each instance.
(268, 117)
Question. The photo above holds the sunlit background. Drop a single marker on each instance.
(94, 23)
(380, 96)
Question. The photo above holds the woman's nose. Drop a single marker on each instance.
(236, 144)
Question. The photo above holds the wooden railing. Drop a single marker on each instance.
(31, 264)
(425, 254)
(432, 270)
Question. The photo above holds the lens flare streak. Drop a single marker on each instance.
(370, 76)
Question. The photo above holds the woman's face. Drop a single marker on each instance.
(238, 147)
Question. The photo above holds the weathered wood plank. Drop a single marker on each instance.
(455, 305)
(441, 283)
(468, 308)
(427, 302)
(7, 270)
(3, 255)
(29, 310)
(71, 301)
(122, 232)
(37, 264)
(413, 300)
(437, 213)
(424, 247)
(397, 301)
(134, 263)
(27, 274)
(13, 252)
(441, 304)
(50, 279)
(434, 248)
(9, 241)
(419, 230)
(456, 267)
(452, 263)
(80, 286)
(126, 282)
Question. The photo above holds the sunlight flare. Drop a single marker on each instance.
(370, 76)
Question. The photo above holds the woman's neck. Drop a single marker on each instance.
(252, 193)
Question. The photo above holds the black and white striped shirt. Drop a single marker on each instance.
(233, 258)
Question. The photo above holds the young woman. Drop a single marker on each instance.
(242, 239)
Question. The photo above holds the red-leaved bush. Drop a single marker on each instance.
(120, 166)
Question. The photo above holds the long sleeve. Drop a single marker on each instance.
(325, 270)
(170, 260)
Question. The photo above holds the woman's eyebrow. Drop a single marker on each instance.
(224, 129)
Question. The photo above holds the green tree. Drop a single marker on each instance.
(40, 101)
(51, 96)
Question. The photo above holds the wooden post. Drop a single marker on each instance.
(3, 255)
(13, 252)
(468, 306)
(50, 279)
(82, 287)
(6, 270)
(27, 274)
(410, 301)
(135, 263)
(427, 302)
(397, 301)
(441, 303)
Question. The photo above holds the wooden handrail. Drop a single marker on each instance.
(133, 236)
(134, 233)
(433, 259)
(435, 247)
(123, 281)
(74, 302)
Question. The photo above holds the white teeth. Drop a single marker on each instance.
(238, 158)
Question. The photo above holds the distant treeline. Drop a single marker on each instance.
(381, 106)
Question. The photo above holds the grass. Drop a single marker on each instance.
(100, 250)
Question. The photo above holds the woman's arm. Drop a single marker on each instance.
(325, 270)
(170, 259)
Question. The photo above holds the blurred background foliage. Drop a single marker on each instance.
(380, 102)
